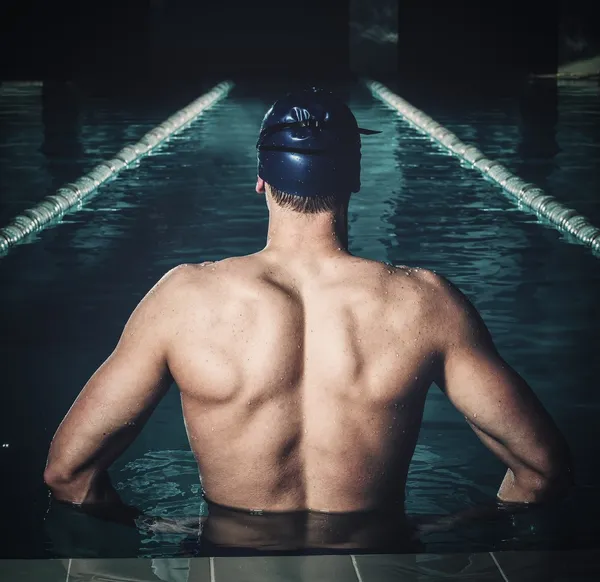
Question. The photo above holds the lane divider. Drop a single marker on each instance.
(71, 195)
(528, 195)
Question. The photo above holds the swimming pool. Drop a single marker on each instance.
(66, 297)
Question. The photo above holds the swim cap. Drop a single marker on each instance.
(309, 145)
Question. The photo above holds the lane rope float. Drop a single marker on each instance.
(527, 195)
(71, 195)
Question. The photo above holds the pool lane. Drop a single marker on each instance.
(66, 297)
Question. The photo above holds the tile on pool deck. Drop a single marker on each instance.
(560, 566)
(479, 567)
(138, 570)
(571, 566)
(33, 570)
(105, 570)
(284, 569)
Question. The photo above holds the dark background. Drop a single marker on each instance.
(182, 39)
(135, 42)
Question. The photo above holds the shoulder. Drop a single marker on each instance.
(210, 280)
(444, 305)
(435, 288)
(176, 285)
(439, 289)
(426, 285)
(178, 277)
(450, 313)
(168, 300)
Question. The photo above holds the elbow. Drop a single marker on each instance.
(551, 488)
(56, 477)
(556, 477)
(555, 482)
(548, 479)
(65, 484)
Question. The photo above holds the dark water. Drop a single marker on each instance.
(66, 296)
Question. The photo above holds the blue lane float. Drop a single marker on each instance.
(527, 195)
(71, 195)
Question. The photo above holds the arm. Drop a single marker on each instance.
(114, 405)
(499, 405)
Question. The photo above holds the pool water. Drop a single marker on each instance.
(66, 296)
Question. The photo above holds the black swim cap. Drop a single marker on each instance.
(309, 145)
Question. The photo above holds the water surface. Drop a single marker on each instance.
(66, 296)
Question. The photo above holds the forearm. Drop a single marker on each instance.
(523, 483)
(79, 459)
(86, 487)
(527, 487)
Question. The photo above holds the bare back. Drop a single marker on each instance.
(303, 381)
(303, 388)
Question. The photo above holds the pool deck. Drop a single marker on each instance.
(567, 566)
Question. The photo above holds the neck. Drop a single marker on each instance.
(315, 234)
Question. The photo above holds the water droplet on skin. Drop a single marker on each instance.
(475, 415)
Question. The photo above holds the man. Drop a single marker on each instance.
(303, 370)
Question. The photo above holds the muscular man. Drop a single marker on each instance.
(303, 369)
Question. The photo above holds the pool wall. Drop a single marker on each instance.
(72, 194)
(527, 195)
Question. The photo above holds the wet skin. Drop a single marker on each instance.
(303, 372)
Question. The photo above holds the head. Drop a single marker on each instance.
(309, 153)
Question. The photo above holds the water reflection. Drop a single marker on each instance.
(538, 146)
(62, 146)
(370, 230)
(23, 176)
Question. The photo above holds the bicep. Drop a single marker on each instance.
(118, 399)
(110, 410)
(500, 407)
(496, 401)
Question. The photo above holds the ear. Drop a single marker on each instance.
(260, 185)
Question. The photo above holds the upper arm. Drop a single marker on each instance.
(118, 399)
(495, 400)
